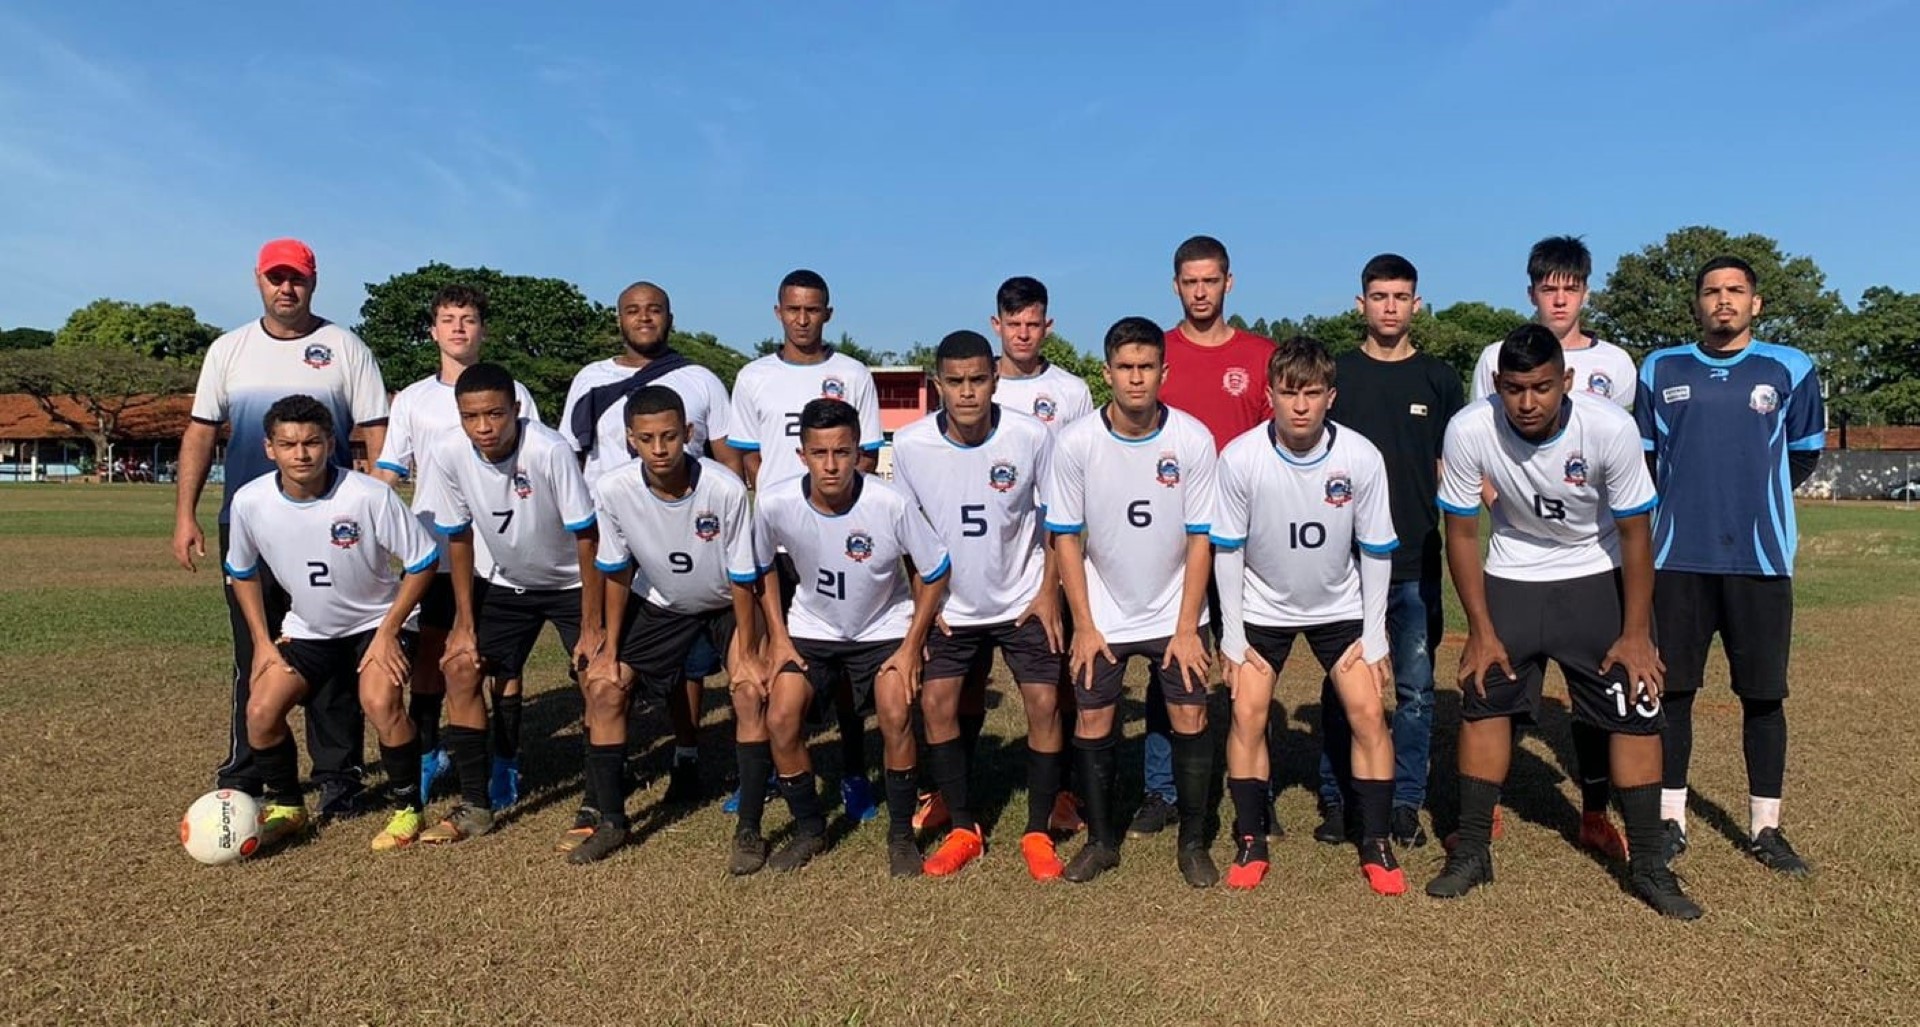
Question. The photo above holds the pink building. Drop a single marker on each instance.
(905, 395)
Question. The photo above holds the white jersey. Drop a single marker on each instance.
(768, 395)
(1558, 499)
(1313, 512)
(1054, 397)
(686, 552)
(852, 585)
(334, 555)
(709, 413)
(1135, 501)
(529, 506)
(422, 413)
(986, 503)
(1602, 369)
(248, 370)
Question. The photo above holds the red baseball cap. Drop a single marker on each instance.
(290, 253)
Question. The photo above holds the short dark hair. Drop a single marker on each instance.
(1388, 267)
(1018, 293)
(298, 409)
(1135, 331)
(801, 278)
(1300, 361)
(1559, 256)
(962, 345)
(1528, 347)
(459, 295)
(655, 399)
(644, 284)
(485, 377)
(1721, 263)
(825, 414)
(1200, 247)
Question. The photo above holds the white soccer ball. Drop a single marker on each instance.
(221, 826)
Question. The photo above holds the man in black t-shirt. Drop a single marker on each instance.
(1401, 400)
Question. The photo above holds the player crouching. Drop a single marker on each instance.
(331, 536)
(1314, 562)
(676, 546)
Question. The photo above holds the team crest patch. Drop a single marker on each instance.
(833, 388)
(1167, 470)
(1764, 399)
(1600, 384)
(859, 546)
(522, 485)
(317, 355)
(1044, 408)
(1576, 470)
(1003, 476)
(1339, 488)
(345, 532)
(706, 525)
(1235, 381)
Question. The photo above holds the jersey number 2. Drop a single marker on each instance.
(318, 575)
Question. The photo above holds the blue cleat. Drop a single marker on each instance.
(732, 805)
(433, 766)
(856, 798)
(503, 788)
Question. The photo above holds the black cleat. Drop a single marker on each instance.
(1090, 862)
(1333, 824)
(798, 852)
(599, 845)
(683, 783)
(1661, 890)
(1196, 865)
(904, 858)
(1770, 847)
(1673, 844)
(1153, 817)
(1275, 832)
(1466, 870)
(344, 800)
(749, 853)
(1404, 828)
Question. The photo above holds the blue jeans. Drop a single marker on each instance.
(1414, 624)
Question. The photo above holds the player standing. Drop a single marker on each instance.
(858, 623)
(1028, 382)
(1568, 576)
(1303, 534)
(332, 535)
(287, 351)
(975, 469)
(1129, 505)
(1733, 426)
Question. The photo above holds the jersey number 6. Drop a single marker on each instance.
(1140, 513)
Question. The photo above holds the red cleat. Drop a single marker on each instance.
(1382, 870)
(1043, 863)
(962, 846)
(1250, 864)
(1598, 835)
(932, 813)
(1065, 818)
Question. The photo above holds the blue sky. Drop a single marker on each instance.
(918, 153)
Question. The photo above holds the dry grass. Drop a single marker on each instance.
(111, 714)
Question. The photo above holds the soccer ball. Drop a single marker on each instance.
(221, 826)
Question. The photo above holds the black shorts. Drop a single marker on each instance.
(1328, 642)
(970, 650)
(1573, 623)
(510, 620)
(789, 576)
(1753, 616)
(1109, 679)
(856, 663)
(658, 642)
(437, 609)
(330, 663)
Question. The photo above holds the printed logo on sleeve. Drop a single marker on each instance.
(345, 532)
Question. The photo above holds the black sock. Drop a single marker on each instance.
(280, 772)
(424, 711)
(1043, 787)
(1477, 800)
(1376, 807)
(1250, 808)
(467, 746)
(1336, 740)
(756, 762)
(853, 743)
(947, 762)
(1193, 783)
(902, 796)
(1676, 740)
(1096, 766)
(402, 765)
(1593, 765)
(1640, 810)
(1763, 734)
(971, 724)
(803, 800)
(606, 783)
(506, 727)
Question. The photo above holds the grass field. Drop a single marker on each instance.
(112, 700)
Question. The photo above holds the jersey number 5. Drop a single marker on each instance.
(973, 523)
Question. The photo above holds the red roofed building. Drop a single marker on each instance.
(34, 445)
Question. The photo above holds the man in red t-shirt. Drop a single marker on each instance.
(1215, 372)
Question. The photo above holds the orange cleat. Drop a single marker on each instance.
(1598, 835)
(931, 814)
(1249, 865)
(1043, 863)
(1498, 829)
(962, 846)
(1382, 870)
(1066, 818)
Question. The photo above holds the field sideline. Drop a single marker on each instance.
(113, 670)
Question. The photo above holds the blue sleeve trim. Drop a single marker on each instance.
(1380, 548)
(450, 530)
(1813, 443)
(235, 572)
(871, 447)
(1065, 529)
(946, 564)
(1199, 529)
(387, 465)
(1647, 445)
(582, 525)
(745, 579)
(1637, 510)
(611, 568)
(1460, 511)
(425, 563)
(752, 447)
(1228, 544)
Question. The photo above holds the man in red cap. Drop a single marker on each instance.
(288, 351)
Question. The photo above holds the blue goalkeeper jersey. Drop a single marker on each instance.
(1720, 429)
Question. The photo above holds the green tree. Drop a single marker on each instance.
(154, 330)
(1090, 369)
(845, 344)
(1873, 365)
(25, 338)
(1648, 302)
(1482, 321)
(91, 389)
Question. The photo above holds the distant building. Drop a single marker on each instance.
(905, 395)
(36, 447)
